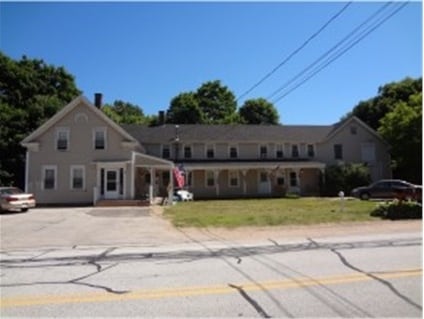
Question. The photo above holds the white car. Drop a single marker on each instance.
(12, 198)
(184, 195)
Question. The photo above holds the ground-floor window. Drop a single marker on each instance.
(77, 177)
(233, 179)
(293, 179)
(210, 179)
(49, 174)
(280, 181)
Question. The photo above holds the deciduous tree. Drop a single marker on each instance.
(258, 111)
(31, 92)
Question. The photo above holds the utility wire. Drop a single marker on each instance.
(341, 52)
(295, 51)
(331, 50)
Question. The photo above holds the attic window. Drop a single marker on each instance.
(99, 135)
(353, 130)
(62, 139)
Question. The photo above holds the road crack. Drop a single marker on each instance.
(251, 301)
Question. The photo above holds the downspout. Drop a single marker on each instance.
(132, 186)
(26, 171)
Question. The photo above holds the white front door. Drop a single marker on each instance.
(112, 183)
(264, 185)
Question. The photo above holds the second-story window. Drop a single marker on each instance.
(338, 151)
(263, 151)
(187, 151)
(210, 151)
(62, 139)
(166, 151)
(99, 138)
(279, 153)
(295, 151)
(311, 150)
(233, 152)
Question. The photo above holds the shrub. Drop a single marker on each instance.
(344, 178)
(398, 210)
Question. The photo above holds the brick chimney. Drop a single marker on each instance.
(162, 117)
(98, 100)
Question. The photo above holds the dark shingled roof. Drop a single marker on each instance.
(228, 133)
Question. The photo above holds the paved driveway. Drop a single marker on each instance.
(71, 227)
(146, 227)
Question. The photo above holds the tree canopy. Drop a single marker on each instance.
(215, 103)
(258, 111)
(396, 113)
(31, 92)
(185, 109)
(124, 112)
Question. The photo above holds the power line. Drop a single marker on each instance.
(346, 38)
(341, 52)
(295, 51)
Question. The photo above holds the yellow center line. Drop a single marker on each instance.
(159, 293)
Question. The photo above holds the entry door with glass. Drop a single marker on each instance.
(264, 186)
(112, 183)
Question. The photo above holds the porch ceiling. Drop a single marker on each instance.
(252, 165)
(144, 160)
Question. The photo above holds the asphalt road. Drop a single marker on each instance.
(376, 275)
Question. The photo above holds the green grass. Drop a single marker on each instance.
(267, 212)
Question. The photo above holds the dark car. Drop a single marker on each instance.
(389, 188)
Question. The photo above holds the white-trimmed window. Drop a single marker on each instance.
(188, 153)
(77, 177)
(99, 138)
(210, 179)
(310, 149)
(338, 151)
(210, 151)
(49, 175)
(368, 152)
(166, 151)
(233, 179)
(263, 151)
(279, 151)
(233, 151)
(62, 139)
(295, 150)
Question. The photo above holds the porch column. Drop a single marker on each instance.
(244, 174)
(132, 184)
(152, 185)
(170, 187)
(216, 178)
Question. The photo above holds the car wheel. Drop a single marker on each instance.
(364, 196)
(24, 210)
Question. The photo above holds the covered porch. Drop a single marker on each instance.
(253, 179)
(134, 180)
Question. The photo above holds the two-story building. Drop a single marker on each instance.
(82, 156)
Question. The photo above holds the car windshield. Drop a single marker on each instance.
(10, 191)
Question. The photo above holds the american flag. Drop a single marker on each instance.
(179, 177)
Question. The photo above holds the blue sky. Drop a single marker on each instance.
(146, 53)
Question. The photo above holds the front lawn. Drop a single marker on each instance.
(268, 212)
